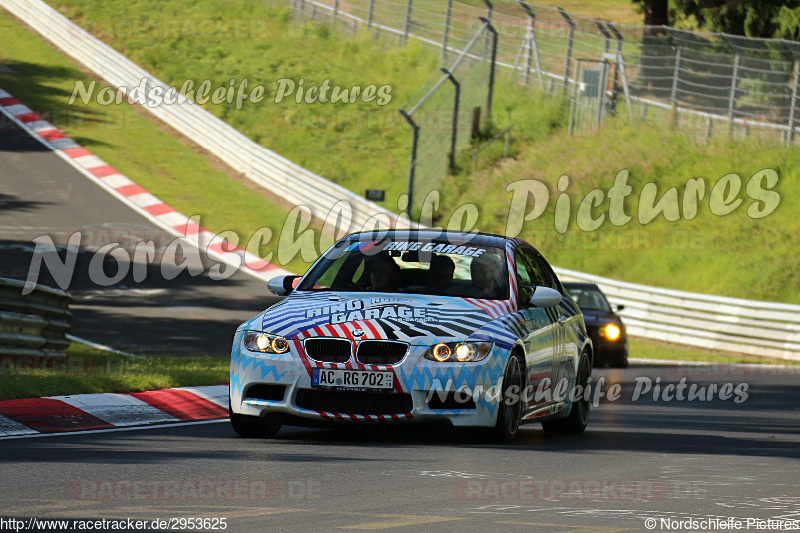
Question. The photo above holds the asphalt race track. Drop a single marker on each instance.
(638, 460)
(40, 194)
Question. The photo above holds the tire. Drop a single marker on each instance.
(509, 417)
(578, 417)
(252, 427)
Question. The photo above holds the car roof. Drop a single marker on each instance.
(580, 285)
(426, 235)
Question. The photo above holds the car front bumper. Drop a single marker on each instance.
(280, 386)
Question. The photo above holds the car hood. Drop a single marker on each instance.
(409, 317)
(594, 318)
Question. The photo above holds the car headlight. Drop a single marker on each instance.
(611, 331)
(458, 352)
(256, 341)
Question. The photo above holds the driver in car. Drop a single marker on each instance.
(383, 271)
(486, 272)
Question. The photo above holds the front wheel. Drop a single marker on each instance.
(578, 416)
(509, 416)
(252, 427)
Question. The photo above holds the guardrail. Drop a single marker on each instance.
(729, 324)
(35, 324)
(745, 326)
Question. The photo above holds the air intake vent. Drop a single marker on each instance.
(266, 391)
(450, 402)
(328, 350)
(381, 352)
(355, 402)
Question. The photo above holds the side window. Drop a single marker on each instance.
(528, 260)
(547, 276)
(523, 277)
(527, 273)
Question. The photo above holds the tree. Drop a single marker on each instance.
(751, 18)
(656, 12)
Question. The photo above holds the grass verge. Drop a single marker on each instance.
(89, 370)
(642, 348)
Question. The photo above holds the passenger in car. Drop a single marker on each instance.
(486, 272)
(383, 271)
(440, 274)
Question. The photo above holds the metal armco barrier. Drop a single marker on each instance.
(35, 324)
(720, 323)
(744, 326)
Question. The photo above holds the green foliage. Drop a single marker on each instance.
(752, 18)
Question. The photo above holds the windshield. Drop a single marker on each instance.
(589, 298)
(438, 268)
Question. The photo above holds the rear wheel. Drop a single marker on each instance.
(252, 427)
(509, 416)
(578, 416)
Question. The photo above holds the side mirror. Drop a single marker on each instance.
(544, 297)
(620, 307)
(281, 285)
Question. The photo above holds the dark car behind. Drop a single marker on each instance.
(604, 326)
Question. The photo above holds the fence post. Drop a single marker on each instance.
(528, 52)
(335, 10)
(491, 68)
(407, 26)
(793, 103)
(413, 162)
(532, 46)
(447, 26)
(606, 36)
(489, 11)
(370, 13)
(673, 95)
(572, 108)
(569, 46)
(454, 135)
(732, 98)
(602, 83)
(620, 65)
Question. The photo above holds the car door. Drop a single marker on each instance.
(566, 348)
(541, 326)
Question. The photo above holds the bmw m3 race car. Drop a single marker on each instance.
(415, 326)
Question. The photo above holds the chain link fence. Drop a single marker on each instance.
(708, 82)
(448, 112)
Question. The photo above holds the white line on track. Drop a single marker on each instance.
(113, 430)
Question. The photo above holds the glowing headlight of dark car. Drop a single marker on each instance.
(458, 352)
(256, 341)
(611, 331)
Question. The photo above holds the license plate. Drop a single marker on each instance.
(351, 379)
